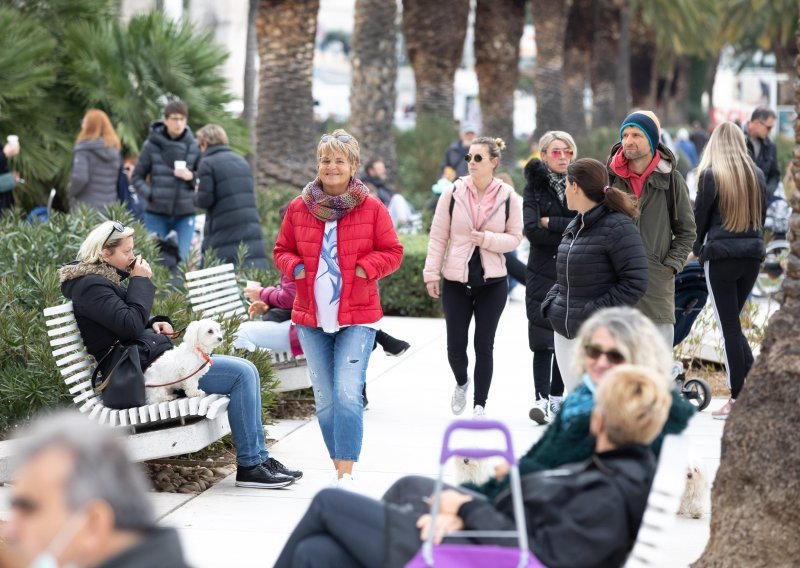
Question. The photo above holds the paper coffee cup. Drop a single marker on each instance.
(253, 284)
(180, 165)
(13, 139)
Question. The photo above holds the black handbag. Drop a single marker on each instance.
(277, 315)
(122, 384)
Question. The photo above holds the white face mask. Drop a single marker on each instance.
(48, 557)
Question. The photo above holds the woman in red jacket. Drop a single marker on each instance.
(335, 242)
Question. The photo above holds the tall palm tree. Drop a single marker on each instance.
(249, 110)
(286, 31)
(550, 20)
(374, 72)
(577, 55)
(605, 49)
(434, 34)
(754, 520)
(498, 29)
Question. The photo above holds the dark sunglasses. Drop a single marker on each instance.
(469, 157)
(116, 227)
(594, 352)
(24, 505)
(344, 138)
(767, 126)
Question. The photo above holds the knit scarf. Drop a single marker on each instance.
(559, 183)
(333, 207)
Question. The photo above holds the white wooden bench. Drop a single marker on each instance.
(171, 428)
(662, 504)
(214, 292)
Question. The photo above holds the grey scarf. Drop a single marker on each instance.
(559, 183)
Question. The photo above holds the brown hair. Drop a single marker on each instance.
(592, 177)
(176, 107)
(97, 125)
(212, 135)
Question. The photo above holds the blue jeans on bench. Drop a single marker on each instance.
(239, 379)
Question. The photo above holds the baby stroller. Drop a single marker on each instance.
(691, 294)
(468, 555)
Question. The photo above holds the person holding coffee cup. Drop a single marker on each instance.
(10, 149)
(169, 158)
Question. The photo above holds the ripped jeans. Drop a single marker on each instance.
(338, 365)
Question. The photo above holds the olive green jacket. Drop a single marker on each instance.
(667, 242)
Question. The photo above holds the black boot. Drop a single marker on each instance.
(391, 345)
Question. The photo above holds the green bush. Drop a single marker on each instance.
(29, 257)
(403, 293)
(419, 154)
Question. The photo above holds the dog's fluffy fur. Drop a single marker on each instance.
(693, 501)
(471, 470)
(204, 335)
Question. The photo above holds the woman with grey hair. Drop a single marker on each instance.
(225, 191)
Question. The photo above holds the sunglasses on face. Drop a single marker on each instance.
(595, 351)
(477, 157)
(767, 126)
(116, 227)
(566, 153)
(24, 505)
(344, 138)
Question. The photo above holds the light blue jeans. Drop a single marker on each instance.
(163, 224)
(267, 334)
(338, 365)
(239, 379)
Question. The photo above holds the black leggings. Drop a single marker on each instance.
(542, 383)
(459, 303)
(730, 282)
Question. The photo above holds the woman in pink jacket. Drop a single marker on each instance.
(475, 223)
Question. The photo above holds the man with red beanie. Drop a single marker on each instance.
(646, 169)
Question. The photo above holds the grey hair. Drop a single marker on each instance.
(636, 336)
(102, 471)
(212, 135)
(102, 237)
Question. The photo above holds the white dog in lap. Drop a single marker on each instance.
(181, 368)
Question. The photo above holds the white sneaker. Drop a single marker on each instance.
(478, 411)
(555, 405)
(459, 400)
(346, 482)
(539, 411)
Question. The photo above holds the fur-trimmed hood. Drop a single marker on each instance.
(78, 269)
(536, 173)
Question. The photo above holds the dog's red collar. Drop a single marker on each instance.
(205, 356)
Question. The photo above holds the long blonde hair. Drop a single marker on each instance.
(735, 178)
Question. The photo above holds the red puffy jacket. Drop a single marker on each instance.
(365, 237)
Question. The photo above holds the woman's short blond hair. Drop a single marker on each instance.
(331, 143)
(553, 135)
(102, 237)
(634, 403)
(212, 135)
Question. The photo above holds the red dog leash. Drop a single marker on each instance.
(207, 362)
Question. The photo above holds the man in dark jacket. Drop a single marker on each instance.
(164, 176)
(226, 193)
(375, 178)
(761, 148)
(78, 500)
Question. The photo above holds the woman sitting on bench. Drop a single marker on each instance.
(583, 515)
(108, 311)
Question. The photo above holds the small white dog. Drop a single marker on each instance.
(471, 470)
(693, 502)
(164, 376)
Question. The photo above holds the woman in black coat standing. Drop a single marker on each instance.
(226, 193)
(601, 261)
(545, 215)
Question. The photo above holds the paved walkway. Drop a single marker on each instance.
(409, 409)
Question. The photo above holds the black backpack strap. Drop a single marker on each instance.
(671, 196)
(508, 206)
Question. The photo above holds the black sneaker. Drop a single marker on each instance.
(274, 466)
(260, 477)
(364, 401)
(391, 345)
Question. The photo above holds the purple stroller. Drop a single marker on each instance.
(478, 555)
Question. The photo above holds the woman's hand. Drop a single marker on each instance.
(444, 524)
(11, 150)
(544, 222)
(163, 327)
(253, 294)
(257, 309)
(141, 268)
(300, 275)
(360, 272)
(501, 470)
(184, 174)
(450, 501)
(476, 237)
(433, 289)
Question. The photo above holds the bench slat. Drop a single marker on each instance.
(86, 385)
(62, 330)
(228, 285)
(225, 300)
(83, 396)
(195, 274)
(56, 310)
(76, 367)
(225, 277)
(69, 348)
(72, 357)
(68, 339)
(59, 321)
(77, 377)
(232, 308)
(214, 295)
(217, 407)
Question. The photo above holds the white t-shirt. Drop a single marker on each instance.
(328, 283)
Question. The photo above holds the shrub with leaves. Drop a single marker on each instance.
(403, 292)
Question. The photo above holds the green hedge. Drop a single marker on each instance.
(29, 257)
(403, 293)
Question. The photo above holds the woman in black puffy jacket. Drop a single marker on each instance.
(729, 211)
(601, 260)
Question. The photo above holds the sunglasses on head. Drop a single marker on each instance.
(344, 138)
(566, 153)
(477, 157)
(595, 351)
(117, 226)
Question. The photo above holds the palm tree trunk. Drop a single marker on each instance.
(605, 48)
(374, 72)
(249, 110)
(550, 20)
(622, 96)
(286, 32)
(643, 48)
(577, 61)
(434, 34)
(755, 520)
(498, 29)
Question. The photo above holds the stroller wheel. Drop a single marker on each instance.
(698, 393)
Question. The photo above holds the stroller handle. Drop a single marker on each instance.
(448, 452)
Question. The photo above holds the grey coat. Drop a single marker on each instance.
(95, 171)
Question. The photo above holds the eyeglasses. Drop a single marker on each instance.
(477, 157)
(566, 153)
(767, 126)
(344, 138)
(116, 227)
(595, 351)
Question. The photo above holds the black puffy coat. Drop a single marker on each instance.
(541, 200)
(767, 161)
(226, 193)
(164, 193)
(715, 243)
(601, 263)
